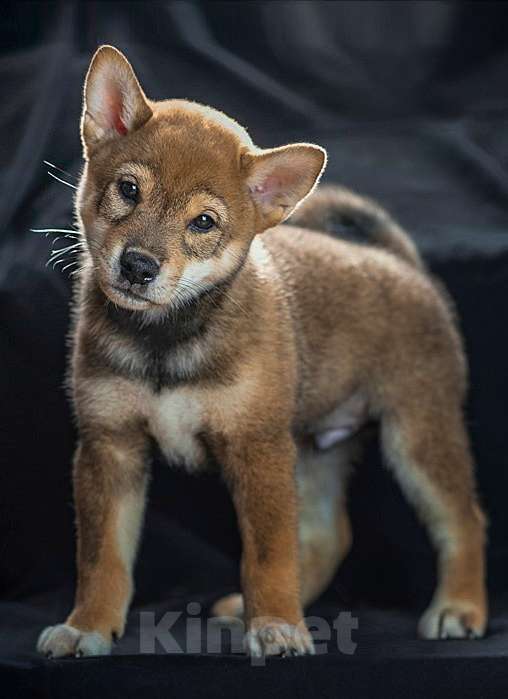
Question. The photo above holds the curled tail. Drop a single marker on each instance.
(345, 214)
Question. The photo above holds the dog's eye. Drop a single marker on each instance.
(202, 223)
(128, 190)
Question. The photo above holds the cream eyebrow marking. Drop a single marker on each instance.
(134, 168)
(211, 201)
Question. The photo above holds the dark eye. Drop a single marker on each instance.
(128, 190)
(202, 223)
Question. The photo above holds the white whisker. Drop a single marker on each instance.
(51, 174)
(55, 167)
(56, 230)
(62, 251)
(70, 264)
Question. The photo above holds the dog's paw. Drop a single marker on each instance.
(62, 640)
(229, 606)
(276, 637)
(452, 620)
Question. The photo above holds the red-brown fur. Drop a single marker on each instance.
(277, 337)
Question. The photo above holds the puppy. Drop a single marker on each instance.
(203, 323)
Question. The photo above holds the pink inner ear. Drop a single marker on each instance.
(268, 188)
(114, 108)
(120, 126)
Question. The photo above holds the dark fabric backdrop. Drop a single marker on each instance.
(411, 100)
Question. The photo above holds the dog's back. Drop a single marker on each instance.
(363, 308)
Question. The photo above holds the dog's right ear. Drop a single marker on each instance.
(114, 103)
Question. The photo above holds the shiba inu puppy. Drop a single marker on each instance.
(206, 325)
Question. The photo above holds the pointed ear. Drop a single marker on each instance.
(280, 178)
(114, 103)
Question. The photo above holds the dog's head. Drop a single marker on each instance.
(173, 192)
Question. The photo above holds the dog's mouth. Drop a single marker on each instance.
(130, 294)
(128, 298)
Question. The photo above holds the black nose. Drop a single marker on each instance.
(138, 268)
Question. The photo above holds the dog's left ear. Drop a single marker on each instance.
(280, 178)
(114, 103)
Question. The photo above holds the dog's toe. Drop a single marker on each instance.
(454, 620)
(278, 638)
(64, 640)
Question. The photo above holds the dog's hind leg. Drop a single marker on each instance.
(324, 527)
(426, 445)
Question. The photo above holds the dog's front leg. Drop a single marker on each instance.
(109, 493)
(260, 472)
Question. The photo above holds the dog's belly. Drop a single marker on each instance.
(176, 420)
(341, 423)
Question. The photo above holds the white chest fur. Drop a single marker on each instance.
(177, 417)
